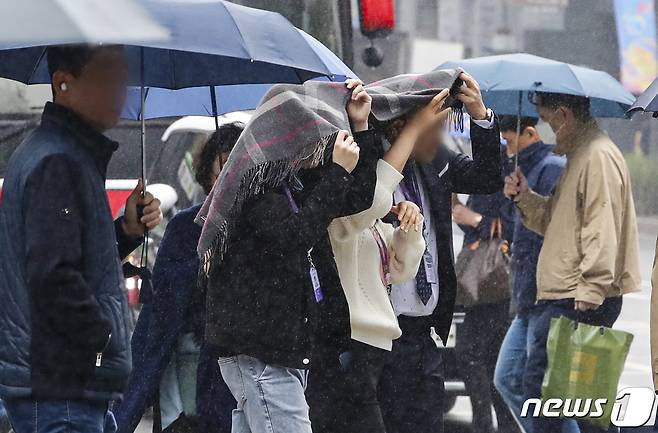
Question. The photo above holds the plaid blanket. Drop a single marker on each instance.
(294, 127)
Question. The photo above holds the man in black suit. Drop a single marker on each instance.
(412, 387)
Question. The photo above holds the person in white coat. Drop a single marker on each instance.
(371, 255)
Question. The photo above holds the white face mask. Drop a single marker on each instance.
(558, 130)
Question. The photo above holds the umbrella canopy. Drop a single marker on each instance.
(212, 42)
(193, 101)
(197, 101)
(647, 101)
(503, 79)
(59, 21)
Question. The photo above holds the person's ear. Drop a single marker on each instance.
(61, 83)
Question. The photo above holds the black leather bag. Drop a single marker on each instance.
(483, 270)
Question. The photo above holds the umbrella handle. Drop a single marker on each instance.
(142, 93)
(140, 211)
(213, 103)
(518, 131)
(140, 208)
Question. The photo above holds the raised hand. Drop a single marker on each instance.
(471, 96)
(346, 151)
(431, 115)
(358, 107)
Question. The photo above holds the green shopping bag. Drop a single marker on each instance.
(584, 362)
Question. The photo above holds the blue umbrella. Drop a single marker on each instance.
(94, 20)
(647, 101)
(507, 79)
(212, 42)
(193, 101)
(198, 101)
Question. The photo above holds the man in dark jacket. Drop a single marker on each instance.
(65, 347)
(412, 389)
(543, 168)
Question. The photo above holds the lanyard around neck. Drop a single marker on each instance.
(384, 257)
(291, 200)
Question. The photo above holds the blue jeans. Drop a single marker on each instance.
(178, 385)
(270, 397)
(4, 419)
(58, 416)
(605, 315)
(511, 367)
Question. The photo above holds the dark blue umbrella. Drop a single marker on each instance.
(198, 101)
(506, 80)
(192, 101)
(212, 42)
(647, 101)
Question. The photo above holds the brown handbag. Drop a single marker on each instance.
(483, 270)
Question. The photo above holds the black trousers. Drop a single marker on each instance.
(342, 392)
(478, 343)
(411, 390)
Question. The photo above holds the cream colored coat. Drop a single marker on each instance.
(358, 259)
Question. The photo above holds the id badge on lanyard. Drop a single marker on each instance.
(430, 267)
(428, 260)
(315, 279)
(312, 271)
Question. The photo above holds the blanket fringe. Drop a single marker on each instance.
(456, 119)
(264, 176)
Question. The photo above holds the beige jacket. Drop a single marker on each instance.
(654, 319)
(591, 248)
(358, 259)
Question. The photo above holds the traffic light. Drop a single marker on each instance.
(377, 17)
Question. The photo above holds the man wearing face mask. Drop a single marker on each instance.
(590, 255)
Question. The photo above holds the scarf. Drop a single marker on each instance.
(293, 128)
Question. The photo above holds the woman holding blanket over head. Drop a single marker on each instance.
(273, 287)
(271, 279)
(371, 255)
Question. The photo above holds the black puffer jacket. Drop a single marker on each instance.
(261, 300)
(63, 310)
